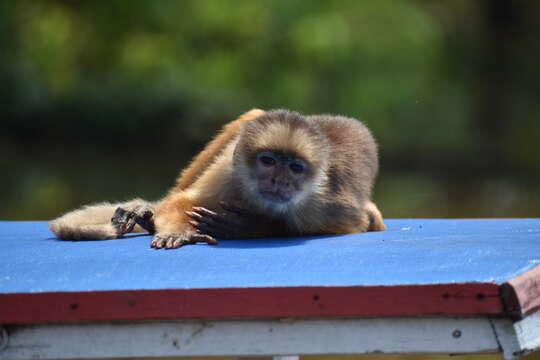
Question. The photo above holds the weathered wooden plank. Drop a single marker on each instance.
(249, 338)
(521, 294)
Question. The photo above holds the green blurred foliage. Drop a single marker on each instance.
(108, 99)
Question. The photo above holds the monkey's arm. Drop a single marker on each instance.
(234, 222)
(198, 185)
(201, 162)
(126, 217)
(172, 225)
(347, 219)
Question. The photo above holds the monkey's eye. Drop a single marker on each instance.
(267, 160)
(296, 168)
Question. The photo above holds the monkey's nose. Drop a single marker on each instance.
(280, 183)
(285, 185)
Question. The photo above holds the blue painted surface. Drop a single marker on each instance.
(420, 251)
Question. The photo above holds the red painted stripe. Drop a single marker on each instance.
(521, 294)
(273, 302)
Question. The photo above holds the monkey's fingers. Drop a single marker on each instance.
(169, 241)
(158, 241)
(144, 217)
(214, 219)
(221, 226)
(219, 232)
(197, 238)
(235, 209)
(201, 213)
(123, 221)
(174, 241)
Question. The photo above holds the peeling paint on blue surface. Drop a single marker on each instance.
(412, 251)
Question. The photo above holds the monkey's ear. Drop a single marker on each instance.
(253, 113)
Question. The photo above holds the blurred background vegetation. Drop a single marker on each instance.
(108, 99)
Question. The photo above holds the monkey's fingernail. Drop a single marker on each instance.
(204, 211)
(194, 223)
(193, 214)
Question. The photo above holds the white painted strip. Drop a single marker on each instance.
(285, 357)
(506, 337)
(528, 332)
(252, 338)
(288, 357)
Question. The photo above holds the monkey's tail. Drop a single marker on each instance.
(91, 222)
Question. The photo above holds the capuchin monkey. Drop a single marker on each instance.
(266, 174)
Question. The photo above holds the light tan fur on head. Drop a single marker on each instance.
(287, 138)
(286, 132)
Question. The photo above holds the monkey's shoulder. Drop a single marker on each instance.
(342, 129)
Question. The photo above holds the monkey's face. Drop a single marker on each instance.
(279, 176)
(279, 161)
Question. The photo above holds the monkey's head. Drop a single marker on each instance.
(279, 160)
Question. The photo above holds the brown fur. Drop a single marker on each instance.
(335, 197)
(342, 153)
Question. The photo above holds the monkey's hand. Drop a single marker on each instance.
(125, 218)
(234, 223)
(173, 241)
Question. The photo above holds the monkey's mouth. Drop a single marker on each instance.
(276, 197)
